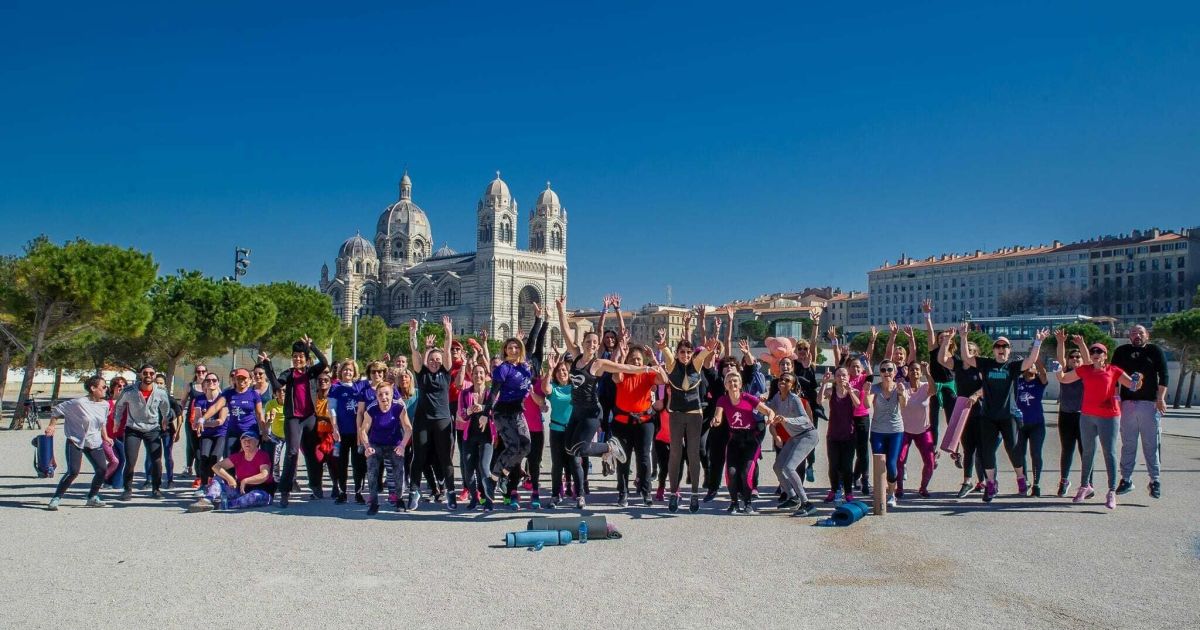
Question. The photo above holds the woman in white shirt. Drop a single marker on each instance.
(84, 427)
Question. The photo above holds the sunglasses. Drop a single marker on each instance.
(886, 370)
(211, 380)
(1000, 345)
(1097, 351)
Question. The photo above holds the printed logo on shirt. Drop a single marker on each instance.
(578, 379)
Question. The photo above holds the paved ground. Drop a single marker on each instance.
(939, 562)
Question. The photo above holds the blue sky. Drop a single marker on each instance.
(726, 150)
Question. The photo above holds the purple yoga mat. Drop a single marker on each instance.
(958, 420)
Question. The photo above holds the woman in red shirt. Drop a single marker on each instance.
(633, 418)
(1101, 415)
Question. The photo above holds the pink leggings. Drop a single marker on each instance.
(924, 442)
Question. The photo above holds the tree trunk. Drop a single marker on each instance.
(1183, 360)
(172, 365)
(5, 362)
(31, 359)
(1191, 389)
(58, 371)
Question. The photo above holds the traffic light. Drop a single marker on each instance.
(241, 261)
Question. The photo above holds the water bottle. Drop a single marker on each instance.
(1136, 378)
(583, 531)
(337, 449)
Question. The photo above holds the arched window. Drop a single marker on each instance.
(418, 250)
(402, 301)
(366, 301)
(539, 242)
(399, 250)
(426, 299)
(556, 238)
(555, 338)
(358, 267)
(506, 231)
(485, 230)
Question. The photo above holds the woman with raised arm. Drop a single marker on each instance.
(531, 407)
(433, 426)
(942, 394)
(897, 354)
(685, 406)
(511, 382)
(886, 399)
(556, 387)
(1070, 404)
(1101, 417)
(1031, 427)
(861, 380)
(633, 418)
(479, 433)
(917, 428)
(996, 419)
(586, 369)
(738, 408)
(300, 383)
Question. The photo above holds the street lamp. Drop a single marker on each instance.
(358, 312)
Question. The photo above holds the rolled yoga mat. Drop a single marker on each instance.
(532, 538)
(598, 528)
(958, 421)
(850, 513)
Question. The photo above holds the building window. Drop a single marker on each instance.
(556, 238)
(506, 231)
(426, 299)
(402, 301)
(485, 230)
(448, 297)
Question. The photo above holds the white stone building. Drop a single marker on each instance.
(400, 277)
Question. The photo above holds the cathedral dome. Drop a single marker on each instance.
(444, 251)
(497, 188)
(548, 198)
(357, 248)
(403, 217)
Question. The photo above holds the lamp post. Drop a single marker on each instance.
(358, 312)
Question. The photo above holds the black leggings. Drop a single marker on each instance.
(741, 458)
(637, 437)
(1031, 437)
(1068, 434)
(433, 443)
(991, 432)
(211, 451)
(301, 435)
(581, 429)
(662, 455)
(971, 456)
(862, 446)
(533, 463)
(350, 453)
(75, 461)
(133, 443)
(715, 445)
(841, 464)
(946, 407)
(558, 461)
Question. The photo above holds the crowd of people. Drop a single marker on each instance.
(451, 425)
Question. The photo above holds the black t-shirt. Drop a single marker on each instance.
(998, 381)
(967, 381)
(1150, 362)
(433, 403)
(938, 372)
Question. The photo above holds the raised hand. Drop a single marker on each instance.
(607, 302)
(413, 326)
(744, 345)
(908, 330)
(561, 301)
(874, 332)
(1060, 335)
(447, 323)
(616, 301)
(964, 328)
(687, 318)
(927, 306)
(263, 357)
(831, 333)
(660, 337)
(430, 341)
(537, 310)
(1078, 339)
(1042, 334)
(306, 340)
(893, 327)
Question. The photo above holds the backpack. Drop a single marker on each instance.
(43, 456)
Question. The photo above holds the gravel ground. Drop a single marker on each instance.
(938, 562)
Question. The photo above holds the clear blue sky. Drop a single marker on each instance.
(766, 147)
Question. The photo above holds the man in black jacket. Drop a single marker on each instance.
(300, 421)
(1141, 409)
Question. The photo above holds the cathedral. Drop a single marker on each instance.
(400, 276)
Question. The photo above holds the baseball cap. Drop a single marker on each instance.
(241, 372)
(1000, 340)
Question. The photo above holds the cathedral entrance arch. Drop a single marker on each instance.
(525, 301)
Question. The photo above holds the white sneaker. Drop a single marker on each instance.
(891, 500)
(614, 447)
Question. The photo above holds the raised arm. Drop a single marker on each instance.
(944, 356)
(835, 344)
(264, 362)
(322, 363)
(729, 327)
(604, 315)
(1081, 343)
(687, 325)
(1060, 348)
(814, 340)
(560, 304)
(968, 361)
(889, 351)
(660, 342)
(1031, 361)
(417, 359)
(871, 347)
(448, 328)
(703, 313)
(927, 309)
(616, 302)
(912, 345)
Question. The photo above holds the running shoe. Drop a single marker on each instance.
(514, 506)
(341, 498)
(830, 497)
(198, 494)
(709, 496)
(53, 505)
(316, 495)
(1082, 494)
(839, 499)
(463, 495)
(957, 457)
(283, 502)
(1124, 487)
(646, 499)
(126, 496)
(170, 482)
(555, 500)
(979, 487)
(488, 506)
(1022, 486)
(923, 493)
(472, 504)
(502, 486)
(580, 503)
(891, 500)
(1035, 491)
(1064, 485)
(694, 504)
(196, 482)
(964, 489)
(849, 497)
(789, 504)
(673, 504)
(1110, 501)
(658, 495)
(400, 506)
(414, 498)
(157, 494)
(535, 501)
(805, 509)
(1091, 492)
(754, 493)
(622, 501)
(1155, 489)
(358, 498)
(989, 492)
(899, 491)
(618, 451)
(747, 507)
(201, 505)
(373, 509)
(809, 475)
(451, 502)
(733, 507)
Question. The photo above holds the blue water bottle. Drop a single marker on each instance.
(583, 532)
(1136, 378)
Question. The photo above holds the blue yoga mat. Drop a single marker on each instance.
(533, 537)
(850, 513)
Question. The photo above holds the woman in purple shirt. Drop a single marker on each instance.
(511, 382)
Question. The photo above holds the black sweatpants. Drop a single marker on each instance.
(558, 461)
(1068, 434)
(741, 459)
(581, 430)
(301, 435)
(862, 446)
(533, 463)
(639, 438)
(841, 464)
(210, 452)
(991, 432)
(715, 445)
(133, 444)
(662, 455)
(433, 443)
(75, 462)
(349, 454)
(1030, 438)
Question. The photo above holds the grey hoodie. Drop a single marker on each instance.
(142, 414)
